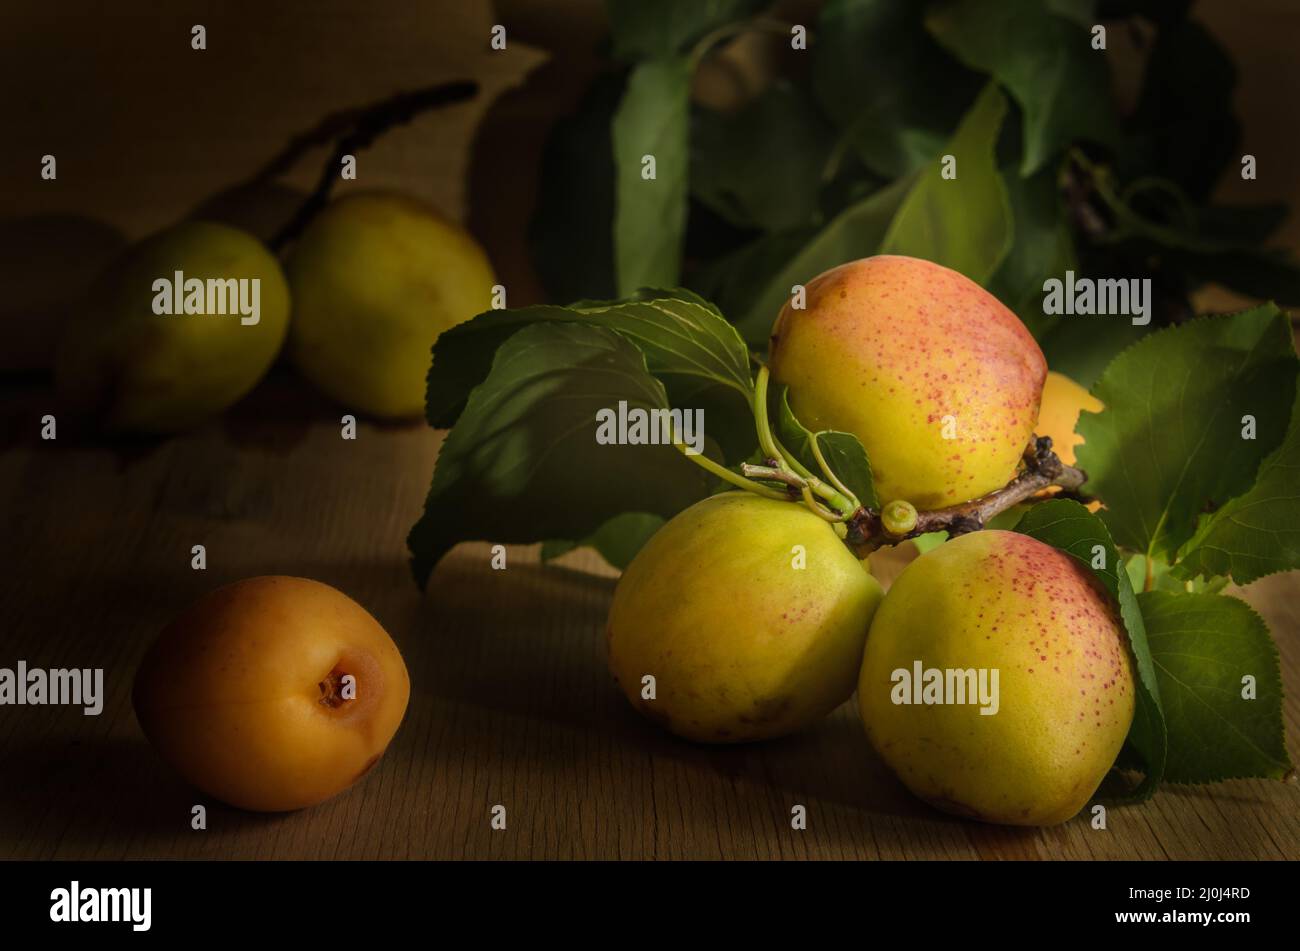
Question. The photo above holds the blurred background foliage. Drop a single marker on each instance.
(836, 155)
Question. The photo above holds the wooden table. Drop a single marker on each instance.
(511, 702)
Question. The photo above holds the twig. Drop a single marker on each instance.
(793, 480)
(1043, 469)
(356, 130)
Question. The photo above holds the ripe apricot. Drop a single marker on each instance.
(272, 693)
(937, 378)
(748, 613)
(376, 277)
(1003, 611)
(128, 358)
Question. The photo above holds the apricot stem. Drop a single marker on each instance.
(784, 460)
(352, 132)
(830, 474)
(331, 688)
(813, 506)
(1042, 469)
(722, 472)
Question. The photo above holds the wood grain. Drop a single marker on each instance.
(511, 700)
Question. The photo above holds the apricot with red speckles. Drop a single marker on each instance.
(272, 693)
(1031, 745)
(743, 618)
(937, 378)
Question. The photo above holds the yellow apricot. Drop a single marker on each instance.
(272, 693)
(1006, 612)
(747, 614)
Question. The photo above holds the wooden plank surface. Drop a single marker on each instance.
(511, 702)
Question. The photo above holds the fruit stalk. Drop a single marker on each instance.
(362, 127)
(1042, 469)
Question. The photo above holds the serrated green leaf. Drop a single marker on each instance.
(843, 452)
(1258, 533)
(1203, 646)
(667, 27)
(1044, 60)
(963, 223)
(1169, 444)
(617, 540)
(680, 335)
(1067, 525)
(882, 78)
(652, 121)
(517, 466)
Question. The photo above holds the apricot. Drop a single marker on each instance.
(272, 693)
(939, 381)
(1033, 749)
(140, 371)
(376, 277)
(748, 615)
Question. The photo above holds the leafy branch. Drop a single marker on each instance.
(865, 528)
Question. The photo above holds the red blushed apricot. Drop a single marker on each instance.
(272, 693)
(938, 380)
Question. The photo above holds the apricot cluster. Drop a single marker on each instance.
(994, 677)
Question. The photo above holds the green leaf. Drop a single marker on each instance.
(854, 233)
(929, 541)
(1258, 533)
(1044, 60)
(963, 223)
(761, 167)
(740, 280)
(572, 229)
(1067, 525)
(1043, 248)
(1165, 577)
(522, 464)
(650, 213)
(1203, 646)
(1169, 444)
(680, 335)
(884, 80)
(667, 27)
(843, 452)
(1082, 347)
(617, 540)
